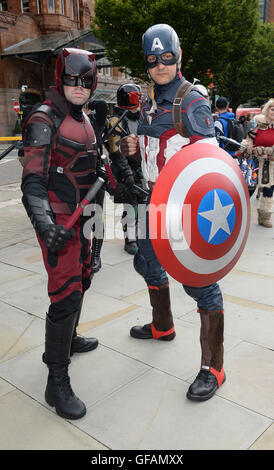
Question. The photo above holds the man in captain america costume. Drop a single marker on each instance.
(60, 166)
(176, 115)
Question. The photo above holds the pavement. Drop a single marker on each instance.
(135, 391)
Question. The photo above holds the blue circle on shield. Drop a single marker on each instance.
(216, 216)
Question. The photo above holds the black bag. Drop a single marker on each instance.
(234, 129)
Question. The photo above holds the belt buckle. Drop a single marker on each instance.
(60, 169)
(177, 101)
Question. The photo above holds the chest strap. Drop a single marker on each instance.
(181, 93)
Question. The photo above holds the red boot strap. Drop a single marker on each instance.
(219, 375)
(158, 334)
(158, 287)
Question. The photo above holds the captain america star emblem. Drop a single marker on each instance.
(199, 215)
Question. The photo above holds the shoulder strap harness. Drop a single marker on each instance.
(181, 93)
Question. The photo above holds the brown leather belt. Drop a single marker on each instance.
(151, 185)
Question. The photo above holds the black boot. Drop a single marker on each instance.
(80, 344)
(129, 230)
(57, 351)
(96, 263)
(130, 246)
(204, 386)
(162, 326)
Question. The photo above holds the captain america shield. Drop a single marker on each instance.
(199, 215)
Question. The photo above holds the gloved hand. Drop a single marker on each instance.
(101, 109)
(124, 195)
(56, 236)
(127, 177)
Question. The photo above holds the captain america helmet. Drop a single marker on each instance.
(157, 41)
(128, 96)
(76, 67)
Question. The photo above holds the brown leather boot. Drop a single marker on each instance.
(162, 326)
(211, 375)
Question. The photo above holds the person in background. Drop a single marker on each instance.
(98, 119)
(221, 125)
(126, 169)
(260, 142)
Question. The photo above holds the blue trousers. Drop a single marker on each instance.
(147, 265)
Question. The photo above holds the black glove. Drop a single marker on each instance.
(56, 236)
(127, 177)
(101, 109)
(123, 195)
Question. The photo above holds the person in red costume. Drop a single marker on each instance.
(60, 165)
(261, 143)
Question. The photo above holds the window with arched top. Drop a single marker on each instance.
(3, 5)
(51, 6)
(62, 4)
(72, 9)
(24, 6)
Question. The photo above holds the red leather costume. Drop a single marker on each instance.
(61, 171)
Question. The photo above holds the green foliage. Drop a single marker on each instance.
(216, 35)
(251, 79)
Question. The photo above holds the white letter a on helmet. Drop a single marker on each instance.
(156, 44)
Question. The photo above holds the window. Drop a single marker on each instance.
(24, 6)
(264, 10)
(39, 7)
(51, 6)
(72, 9)
(62, 7)
(4, 5)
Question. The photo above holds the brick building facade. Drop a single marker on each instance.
(25, 20)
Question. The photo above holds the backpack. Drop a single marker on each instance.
(234, 129)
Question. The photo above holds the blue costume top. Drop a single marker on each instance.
(158, 139)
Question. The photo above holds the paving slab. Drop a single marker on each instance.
(152, 412)
(93, 375)
(113, 253)
(250, 372)
(24, 256)
(15, 224)
(250, 262)
(5, 387)
(19, 331)
(118, 281)
(249, 287)
(28, 293)
(265, 441)
(10, 273)
(102, 307)
(26, 425)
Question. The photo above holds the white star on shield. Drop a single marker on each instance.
(217, 216)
